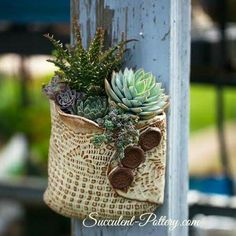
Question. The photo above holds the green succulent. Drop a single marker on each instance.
(137, 93)
(92, 108)
(120, 129)
(85, 70)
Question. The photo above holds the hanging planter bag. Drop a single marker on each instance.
(77, 173)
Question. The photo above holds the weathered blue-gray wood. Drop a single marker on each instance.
(163, 30)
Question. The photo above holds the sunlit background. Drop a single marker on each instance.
(25, 118)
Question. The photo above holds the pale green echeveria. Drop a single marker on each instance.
(137, 93)
(93, 107)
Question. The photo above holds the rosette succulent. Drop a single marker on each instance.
(54, 87)
(137, 93)
(66, 99)
(93, 108)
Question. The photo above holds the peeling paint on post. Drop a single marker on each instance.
(163, 30)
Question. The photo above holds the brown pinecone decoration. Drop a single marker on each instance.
(133, 157)
(121, 177)
(150, 138)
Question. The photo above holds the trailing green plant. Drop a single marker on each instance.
(92, 107)
(85, 70)
(119, 129)
(137, 92)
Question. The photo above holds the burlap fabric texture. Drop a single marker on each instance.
(77, 172)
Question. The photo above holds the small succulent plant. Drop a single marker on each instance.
(119, 128)
(92, 108)
(66, 99)
(85, 70)
(54, 87)
(137, 93)
(62, 95)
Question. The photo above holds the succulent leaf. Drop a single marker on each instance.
(110, 92)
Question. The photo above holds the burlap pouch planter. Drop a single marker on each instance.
(77, 172)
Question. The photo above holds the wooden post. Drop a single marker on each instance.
(163, 30)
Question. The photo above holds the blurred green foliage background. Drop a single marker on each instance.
(33, 120)
(203, 106)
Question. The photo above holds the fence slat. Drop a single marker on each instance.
(163, 30)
